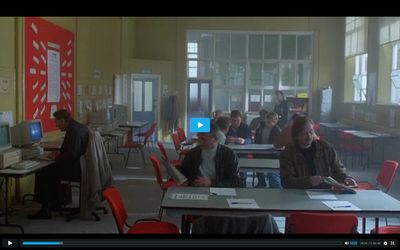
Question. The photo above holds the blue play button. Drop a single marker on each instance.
(201, 125)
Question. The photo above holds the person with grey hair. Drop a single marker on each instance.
(210, 164)
(66, 167)
(307, 161)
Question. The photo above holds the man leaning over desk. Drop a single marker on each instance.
(66, 167)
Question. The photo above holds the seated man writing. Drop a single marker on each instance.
(306, 161)
(210, 163)
(66, 166)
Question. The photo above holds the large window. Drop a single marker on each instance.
(356, 35)
(360, 78)
(395, 75)
(247, 67)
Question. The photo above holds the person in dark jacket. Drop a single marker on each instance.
(281, 108)
(66, 166)
(306, 161)
(210, 163)
(266, 133)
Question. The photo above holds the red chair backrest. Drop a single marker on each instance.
(181, 134)
(157, 168)
(386, 174)
(175, 140)
(163, 151)
(113, 197)
(319, 223)
(149, 132)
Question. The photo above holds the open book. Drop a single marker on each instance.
(173, 172)
(341, 187)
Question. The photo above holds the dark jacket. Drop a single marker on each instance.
(275, 131)
(73, 147)
(226, 166)
(243, 131)
(294, 170)
(282, 109)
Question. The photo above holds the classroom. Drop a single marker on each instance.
(270, 123)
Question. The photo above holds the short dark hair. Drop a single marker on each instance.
(62, 114)
(299, 123)
(263, 112)
(236, 113)
(223, 122)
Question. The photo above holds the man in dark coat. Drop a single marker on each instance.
(66, 166)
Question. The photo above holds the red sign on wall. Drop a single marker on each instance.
(49, 71)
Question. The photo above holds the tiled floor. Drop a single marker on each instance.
(142, 196)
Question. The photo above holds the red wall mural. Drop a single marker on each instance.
(49, 71)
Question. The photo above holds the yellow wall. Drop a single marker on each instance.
(384, 81)
(97, 47)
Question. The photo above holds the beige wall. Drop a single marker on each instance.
(164, 39)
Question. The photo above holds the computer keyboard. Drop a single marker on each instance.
(25, 164)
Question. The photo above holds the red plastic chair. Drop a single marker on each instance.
(321, 223)
(148, 133)
(385, 177)
(182, 138)
(176, 163)
(178, 147)
(143, 226)
(387, 230)
(164, 185)
(348, 146)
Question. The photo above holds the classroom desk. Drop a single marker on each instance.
(277, 202)
(330, 130)
(365, 135)
(133, 125)
(258, 165)
(17, 173)
(266, 151)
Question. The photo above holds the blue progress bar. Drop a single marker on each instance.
(38, 243)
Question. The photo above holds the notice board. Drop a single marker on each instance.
(49, 70)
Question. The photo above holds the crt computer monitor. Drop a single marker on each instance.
(5, 136)
(26, 133)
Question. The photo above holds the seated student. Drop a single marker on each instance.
(217, 114)
(285, 137)
(305, 161)
(255, 123)
(210, 163)
(266, 134)
(223, 124)
(66, 166)
(239, 132)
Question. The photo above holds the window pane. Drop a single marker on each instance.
(221, 74)
(287, 74)
(221, 99)
(238, 48)
(255, 46)
(304, 47)
(304, 74)
(204, 95)
(271, 46)
(222, 46)
(206, 45)
(270, 74)
(288, 47)
(255, 74)
(205, 70)
(192, 47)
(236, 74)
(193, 96)
(254, 100)
(236, 100)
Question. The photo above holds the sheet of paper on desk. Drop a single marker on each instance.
(223, 191)
(202, 197)
(321, 195)
(341, 205)
(242, 203)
